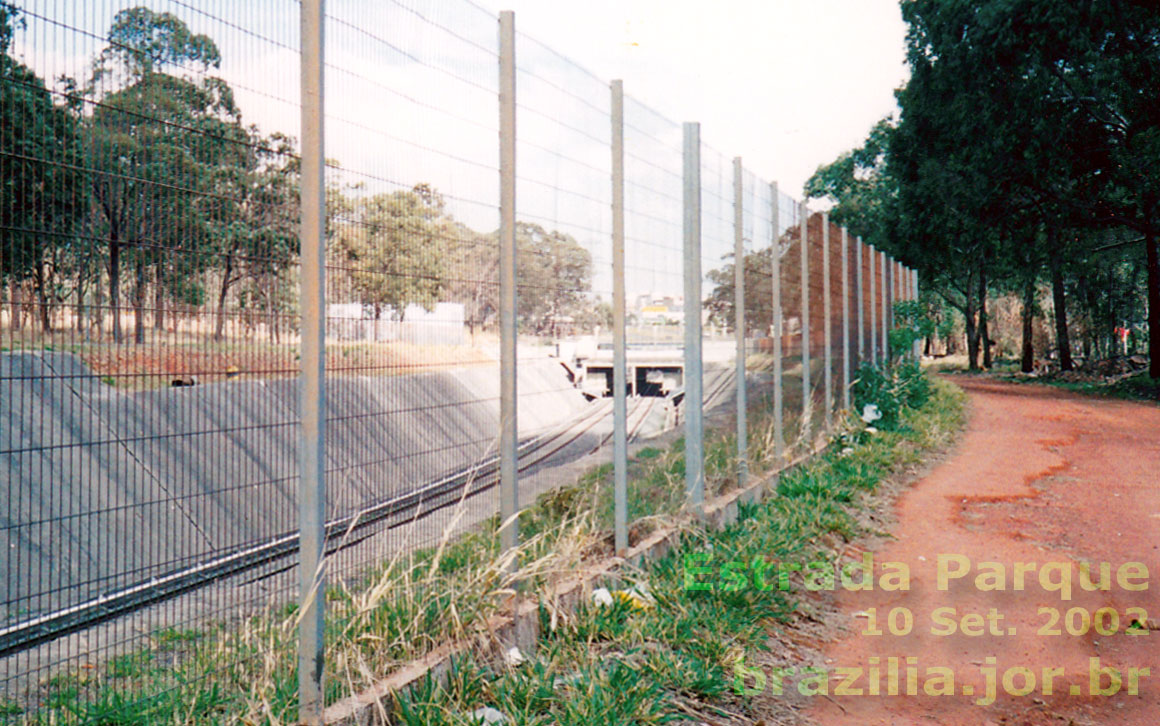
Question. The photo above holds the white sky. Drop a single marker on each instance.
(785, 84)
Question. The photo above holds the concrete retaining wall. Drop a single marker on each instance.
(105, 488)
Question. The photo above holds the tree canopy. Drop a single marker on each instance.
(1028, 132)
(139, 189)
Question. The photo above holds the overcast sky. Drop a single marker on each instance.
(786, 84)
(411, 97)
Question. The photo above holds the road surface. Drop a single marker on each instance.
(1041, 476)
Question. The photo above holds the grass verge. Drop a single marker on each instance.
(655, 656)
(1138, 387)
(663, 646)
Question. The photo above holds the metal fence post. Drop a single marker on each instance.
(739, 322)
(873, 305)
(861, 294)
(845, 320)
(913, 278)
(827, 324)
(895, 288)
(885, 312)
(803, 229)
(694, 423)
(312, 445)
(619, 340)
(509, 436)
(778, 325)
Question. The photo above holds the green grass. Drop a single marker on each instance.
(1138, 387)
(619, 665)
(673, 659)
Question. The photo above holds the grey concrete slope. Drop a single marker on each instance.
(104, 489)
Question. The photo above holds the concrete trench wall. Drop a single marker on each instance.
(105, 488)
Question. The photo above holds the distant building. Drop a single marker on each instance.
(660, 310)
(444, 325)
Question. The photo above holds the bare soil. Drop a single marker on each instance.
(1041, 476)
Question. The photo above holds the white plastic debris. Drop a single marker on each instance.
(847, 451)
(487, 715)
(602, 597)
(871, 430)
(513, 657)
(870, 413)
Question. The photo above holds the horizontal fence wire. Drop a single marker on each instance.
(151, 349)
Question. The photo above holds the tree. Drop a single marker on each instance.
(553, 277)
(1066, 91)
(254, 222)
(476, 282)
(157, 140)
(1024, 123)
(758, 301)
(394, 247)
(859, 185)
(42, 188)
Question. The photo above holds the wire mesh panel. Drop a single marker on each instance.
(833, 273)
(564, 265)
(851, 302)
(147, 379)
(814, 319)
(789, 268)
(411, 274)
(717, 267)
(653, 202)
(153, 328)
(759, 245)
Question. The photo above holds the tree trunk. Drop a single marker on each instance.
(14, 305)
(42, 297)
(984, 335)
(97, 309)
(1059, 298)
(1028, 328)
(115, 289)
(139, 304)
(80, 306)
(158, 301)
(272, 308)
(1151, 243)
(219, 326)
(972, 336)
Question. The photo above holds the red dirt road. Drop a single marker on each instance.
(1041, 476)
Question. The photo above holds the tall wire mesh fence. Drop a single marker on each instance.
(151, 333)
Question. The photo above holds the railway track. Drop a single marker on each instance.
(341, 533)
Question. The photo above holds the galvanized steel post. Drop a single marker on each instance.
(913, 277)
(827, 324)
(804, 233)
(873, 306)
(895, 288)
(885, 314)
(619, 338)
(739, 321)
(778, 323)
(312, 389)
(845, 320)
(861, 295)
(694, 422)
(508, 471)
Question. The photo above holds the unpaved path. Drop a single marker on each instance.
(1041, 476)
